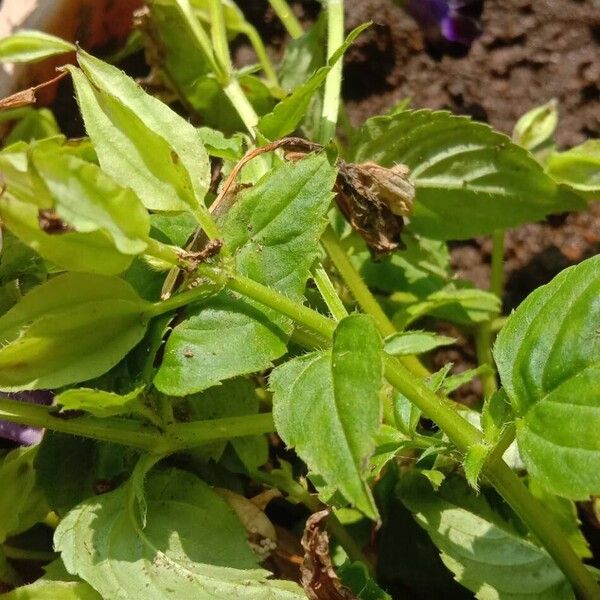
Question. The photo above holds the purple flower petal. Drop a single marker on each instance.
(453, 20)
(22, 434)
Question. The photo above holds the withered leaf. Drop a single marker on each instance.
(317, 575)
(28, 96)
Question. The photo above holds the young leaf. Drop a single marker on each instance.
(548, 357)
(485, 553)
(193, 545)
(415, 342)
(327, 406)
(273, 231)
(536, 126)
(100, 403)
(31, 46)
(140, 141)
(286, 116)
(72, 328)
(578, 167)
(469, 179)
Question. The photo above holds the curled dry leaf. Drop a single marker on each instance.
(28, 96)
(318, 577)
(372, 198)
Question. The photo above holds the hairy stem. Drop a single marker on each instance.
(287, 17)
(261, 53)
(325, 286)
(333, 83)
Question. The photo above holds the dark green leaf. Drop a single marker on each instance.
(469, 179)
(72, 328)
(327, 406)
(485, 553)
(548, 357)
(71, 469)
(193, 545)
(22, 504)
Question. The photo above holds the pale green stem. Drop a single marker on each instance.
(328, 293)
(218, 34)
(164, 252)
(333, 83)
(484, 333)
(241, 104)
(497, 274)
(261, 52)
(287, 17)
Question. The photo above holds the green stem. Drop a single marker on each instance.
(188, 435)
(261, 52)
(497, 274)
(23, 554)
(355, 283)
(325, 286)
(363, 295)
(164, 252)
(269, 297)
(333, 83)
(118, 431)
(183, 299)
(483, 348)
(241, 104)
(287, 17)
(535, 516)
(218, 34)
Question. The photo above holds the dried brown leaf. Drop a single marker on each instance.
(28, 96)
(318, 577)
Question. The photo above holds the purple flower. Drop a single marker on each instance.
(22, 434)
(452, 20)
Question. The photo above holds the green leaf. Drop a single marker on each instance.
(303, 56)
(71, 469)
(548, 357)
(273, 232)
(288, 114)
(564, 514)
(469, 179)
(35, 125)
(536, 126)
(578, 167)
(99, 225)
(140, 141)
(327, 406)
(415, 342)
(32, 46)
(217, 144)
(100, 403)
(72, 328)
(22, 504)
(193, 545)
(485, 553)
